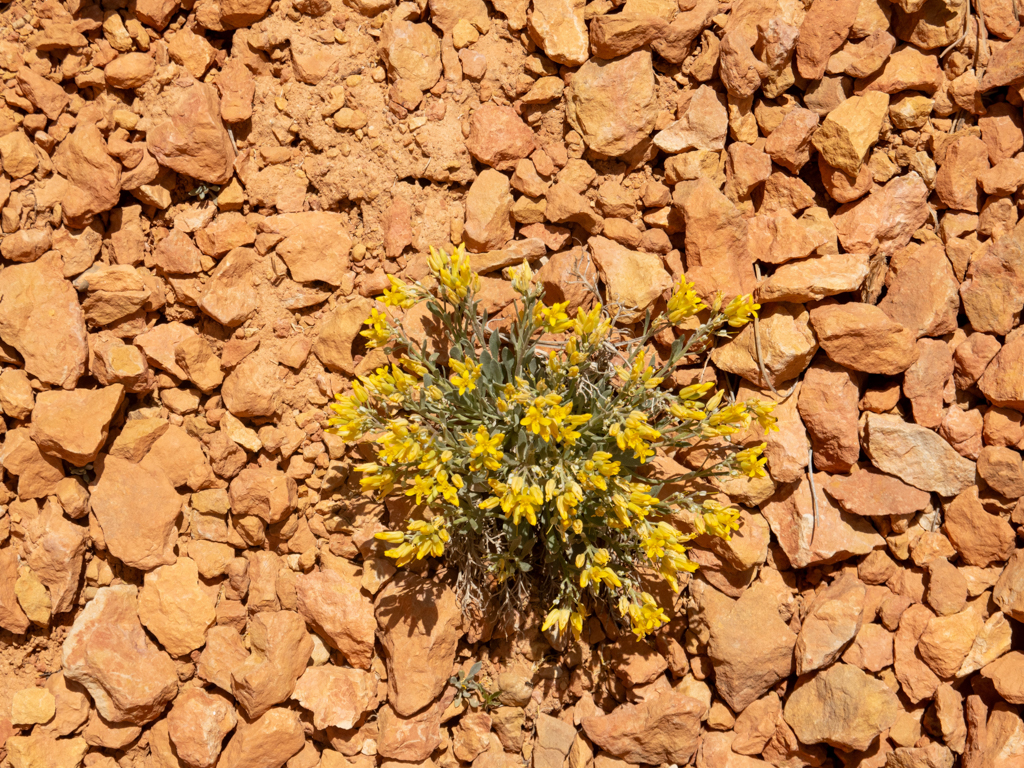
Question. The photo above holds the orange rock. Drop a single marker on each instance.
(633, 280)
(191, 138)
(863, 338)
(412, 738)
(559, 29)
(824, 29)
(828, 406)
(107, 651)
(38, 473)
(498, 137)
(885, 220)
(41, 318)
(789, 144)
(833, 619)
(338, 697)
(45, 95)
(980, 537)
(717, 254)
(280, 648)
(993, 292)
(1002, 470)
(73, 425)
(229, 296)
(922, 291)
(338, 612)
(489, 212)
(140, 541)
(94, 178)
(1003, 380)
(130, 71)
(925, 382)
(663, 729)
(12, 617)
(946, 640)
(175, 609)
(197, 724)
(419, 653)
(266, 742)
(956, 183)
(870, 493)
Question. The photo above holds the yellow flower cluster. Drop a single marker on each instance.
(636, 435)
(454, 272)
(421, 538)
(523, 445)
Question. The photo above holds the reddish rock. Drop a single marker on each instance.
(420, 626)
(73, 425)
(789, 145)
(633, 280)
(841, 706)
(1002, 470)
(663, 729)
(922, 291)
(993, 291)
(280, 647)
(1009, 590)
(824, 29)
(870, 493)
(1007, 676)
(253, 388)
(1003, 380)
(559, 29)
(224, 652)
(489, 212)
(334, 607)
(751, 648)
(498, 137)
(229, 296)
(805, 538)
(40, 749)
(130, 70)
(107, 651)
(174, 607)
(717, 256)
(956, 183)
(191, 139)
(12, 617)
(863, 338)
(612, 103)
(94, 178)
(55, 548)
(139, 541)
(885, 220)
(1006, 66)
(338, 697)
(41, 318)
(972, 357)
(266, 742)
(946, 640)
(703, 125)
(828, 406)
(1002, 130)
(871, 649)
(980, 537)
(411, 738)
(267, 493)
(834, 618)
(197, 724)
(925, 381)
(916, 455)
(38, 474)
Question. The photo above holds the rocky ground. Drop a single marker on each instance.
(199, 202)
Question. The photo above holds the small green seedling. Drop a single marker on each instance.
(468, 689)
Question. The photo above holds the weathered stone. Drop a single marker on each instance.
(280, 647)
(107, 651)
(717, 255)
(870, 493)
(751, 648)
(612, 103)
(833, 619)
(267, 742)
(339, 613)
(980, 537)
(197, 724)
(922, 291)
(663, 729)
(420, 625)
(703, 125)
(885, 220)
(841, 706)
(1003, 380)
(634, 280)
(174, 607)
(787, 346)
(558, 28)
(338, 697)
(191, 139)
(863, 338)
(828, 406)
(41, 318)
(73, 425)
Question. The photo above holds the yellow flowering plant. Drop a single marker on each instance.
(530, 443)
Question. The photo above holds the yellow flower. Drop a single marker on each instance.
(563, 618)
(378, 333)
(762, 411)
(591, 327)
(348, 422)
(400, 295)
(484, 451)
(454, 272)
(741, 310)
(521, 277)
(552, 319)
(684, 302)
(377, 478)
(750, 461)
(646, 617)
(465, 376)
(597, 574)
(718, 520)
(635, 434)
(423, 538)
